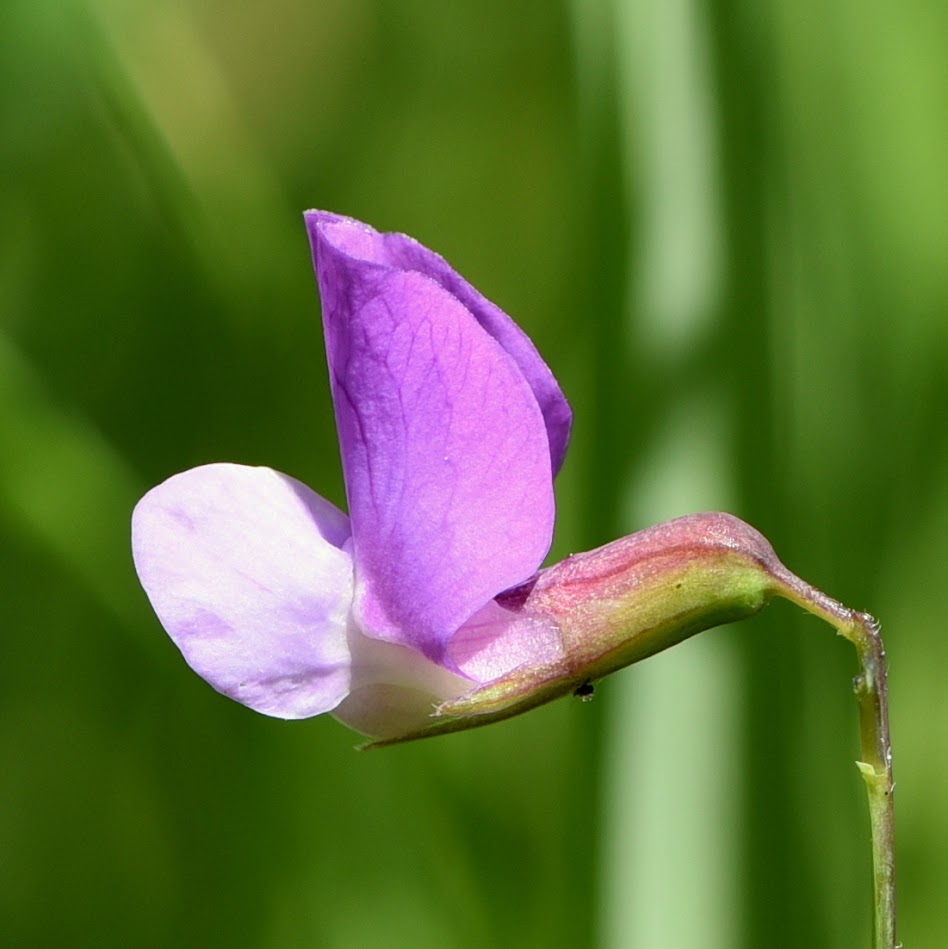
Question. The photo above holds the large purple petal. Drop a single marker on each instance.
(444, 446)
(400, 252)
(246, 571)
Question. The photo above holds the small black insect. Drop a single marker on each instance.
(584, 691)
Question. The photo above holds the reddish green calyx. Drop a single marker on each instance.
(632, 598)
(622, 603)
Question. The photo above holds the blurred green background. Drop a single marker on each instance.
(723, 224)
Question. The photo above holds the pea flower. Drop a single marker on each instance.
(422, 610)
(451, 428)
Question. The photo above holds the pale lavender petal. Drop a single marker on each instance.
(444, 447)
(496, 640)
(394, 688)
(246, 571)
(400, 252)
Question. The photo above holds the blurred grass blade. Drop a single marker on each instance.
(68, 487)
(670, 822)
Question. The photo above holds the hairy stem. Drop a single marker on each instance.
(876, 750)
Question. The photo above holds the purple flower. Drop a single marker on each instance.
(451, 429)
(423, 611)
